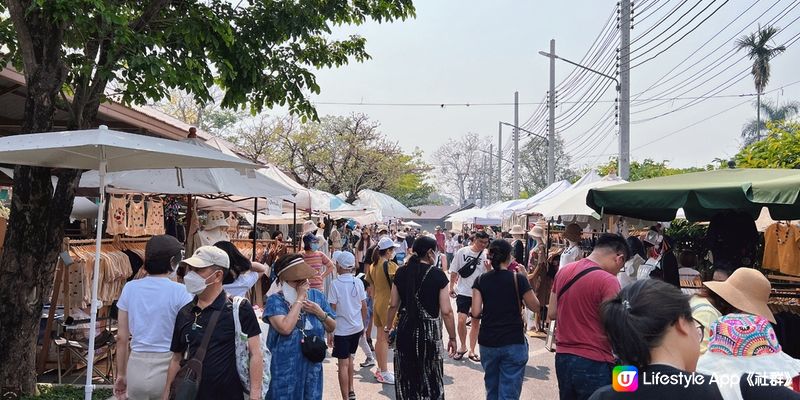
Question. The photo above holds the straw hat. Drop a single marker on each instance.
(517, 230)
(747, 290)
(401, 235)
(309, 227)
(741, 344)
(215, 219)
(537, 232)
(297, 270)
(573, 233)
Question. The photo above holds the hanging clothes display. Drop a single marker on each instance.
(117, 215)
(782, 248)
(233, 225)
(136, 222)
(155, 216)
(171, 210)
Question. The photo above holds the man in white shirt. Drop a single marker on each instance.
(467, 258)
(348, 299)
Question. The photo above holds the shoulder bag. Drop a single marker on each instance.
(551, 332)
(187, 381)
(469, 268)
(243, 352)
(313, 347)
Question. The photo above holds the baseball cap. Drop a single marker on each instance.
(207, 256)
(386, 242)
(345, 259)
(162, 247)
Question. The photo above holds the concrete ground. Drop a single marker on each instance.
(463, 379)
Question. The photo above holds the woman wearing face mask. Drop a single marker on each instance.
(380, 277)
(316, 260)
(421, 292)
(147, 310)
(296, 307)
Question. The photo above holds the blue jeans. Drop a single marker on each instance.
(579, 377)
(504, 369)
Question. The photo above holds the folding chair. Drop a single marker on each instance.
(79, 349)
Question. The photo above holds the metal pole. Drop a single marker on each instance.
(625, 90)
(516, 145)
(551, 126)
(489, 171)
(500, 161)
(294, 227)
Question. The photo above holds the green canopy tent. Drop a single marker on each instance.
(703, 194)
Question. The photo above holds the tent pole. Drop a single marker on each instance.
(526, 256)
(294, 227)
(95, 278)
(255, 226)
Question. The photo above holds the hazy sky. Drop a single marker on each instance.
(458, 51)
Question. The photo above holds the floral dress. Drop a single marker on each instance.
(293, 375)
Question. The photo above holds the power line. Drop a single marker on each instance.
(661, 21)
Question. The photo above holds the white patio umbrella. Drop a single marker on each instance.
(108, 151)
(412, 224)
(387, 205)
(572, 202)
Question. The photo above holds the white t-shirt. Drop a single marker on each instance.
(461, 258)
(152, 304)
(569, 256)
(347, 293)
(242, 284)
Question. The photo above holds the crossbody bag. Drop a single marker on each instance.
(469, 268)
(187, 381)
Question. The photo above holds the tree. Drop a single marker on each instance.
(412, 188)
(210, 116)
(775, 113)
(649, 169)
(459, 164)
(71, 50)
(533, 165)
(779, 149)
(757, 46)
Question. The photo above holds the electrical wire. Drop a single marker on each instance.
(661, 21)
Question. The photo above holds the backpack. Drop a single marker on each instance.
(243, 354)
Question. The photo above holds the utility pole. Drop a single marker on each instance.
(625, 89)
(483, 180)
(516, 146)
(551, 126)
(500, 160)
(490, 171)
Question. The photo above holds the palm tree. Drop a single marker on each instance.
(758, 49)
(773, 112)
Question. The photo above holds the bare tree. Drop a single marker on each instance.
(458, 166)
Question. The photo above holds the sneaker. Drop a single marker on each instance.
(351, 396)
(385, 377)
(369, 362)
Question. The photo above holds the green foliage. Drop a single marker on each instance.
(533, 163)
(411, 188)
(757, 46)
(50, 392)
(780, 149)
(770, 112)
(690, 236)
(261, 53)
(649, 169)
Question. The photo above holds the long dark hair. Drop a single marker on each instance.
(421, 247)
(239, 264)
(499, 252)
(637, 319)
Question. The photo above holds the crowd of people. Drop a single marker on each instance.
(487, 290)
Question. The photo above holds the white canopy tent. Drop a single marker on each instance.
(283, 219)
(547, 193)
(107, 151)
(477, 216)
(572, 202)
(388, 206)
(412, 224)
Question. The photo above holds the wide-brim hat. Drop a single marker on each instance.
(746, 289)
(309, 227)
(215, 219)
(382, 228)
(744, 343)
(401, 235)
(537, 232)
(517, 230)
(573, 233)
(297, 270)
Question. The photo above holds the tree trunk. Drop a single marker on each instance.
(758, 117)
(32, 242)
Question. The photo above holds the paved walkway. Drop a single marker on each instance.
(463, 379)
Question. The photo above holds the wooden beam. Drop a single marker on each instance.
(8, 90)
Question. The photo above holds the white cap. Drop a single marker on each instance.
(309, 226)
(207, 256)
(335, 255)
(386, 243)
(345, 259)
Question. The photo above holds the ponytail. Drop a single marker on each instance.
(499, 253)
(637, 319)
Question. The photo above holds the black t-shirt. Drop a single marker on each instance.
(662, 382)
(754, 387)
(501, 323)
(220, 380)
(408, 279)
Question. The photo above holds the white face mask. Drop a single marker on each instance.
(195, 284)
(289, 293)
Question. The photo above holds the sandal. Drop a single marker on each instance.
(351, 396)
(475, 357)
(459, 355)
